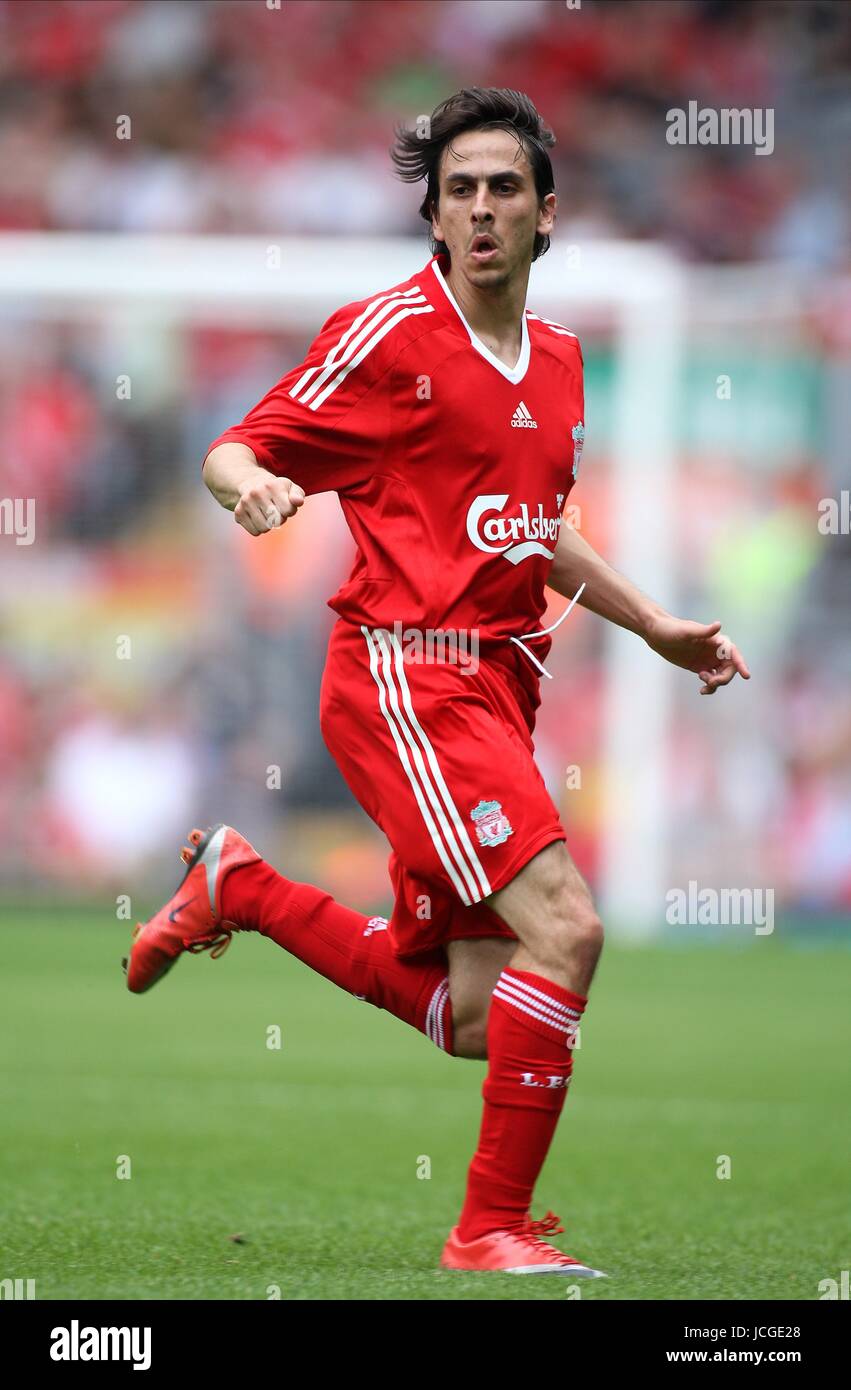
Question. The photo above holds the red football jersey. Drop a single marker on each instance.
(452, 468)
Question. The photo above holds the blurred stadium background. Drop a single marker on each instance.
(147, 262)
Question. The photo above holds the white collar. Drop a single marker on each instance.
(513, 374)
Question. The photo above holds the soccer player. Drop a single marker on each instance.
(449, 420)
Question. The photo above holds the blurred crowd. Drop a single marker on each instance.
(159, 668)
(245, 118)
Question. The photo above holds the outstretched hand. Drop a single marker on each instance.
(699, 647)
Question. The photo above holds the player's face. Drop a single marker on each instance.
(489, 209)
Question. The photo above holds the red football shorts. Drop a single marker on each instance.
(440, 756)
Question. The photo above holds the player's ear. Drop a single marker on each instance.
(435, 222)
(547, 214)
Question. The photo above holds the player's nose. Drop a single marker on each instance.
(482, 219)
(481, 210)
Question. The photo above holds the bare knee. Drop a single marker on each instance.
(568, 938)
(586, 930)
(573, 934)
(567, 913)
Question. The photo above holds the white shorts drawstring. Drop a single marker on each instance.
(545, 632)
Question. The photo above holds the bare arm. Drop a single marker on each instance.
(258, 499)
(698, 647)
(606, 592)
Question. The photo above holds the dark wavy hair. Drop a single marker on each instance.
(417, 156)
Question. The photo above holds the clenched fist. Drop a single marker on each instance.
(266, 502)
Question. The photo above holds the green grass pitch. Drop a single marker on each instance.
(310, 1153)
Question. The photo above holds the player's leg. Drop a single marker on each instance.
(475, 965)
(548, 905)
(352, 950)
(535, 1009)
(229, 887)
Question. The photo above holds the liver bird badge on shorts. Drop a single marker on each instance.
(578, 437)
(492, 824)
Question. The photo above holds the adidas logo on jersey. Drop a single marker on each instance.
(522, 420)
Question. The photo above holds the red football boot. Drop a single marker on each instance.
(191, 919)
(519, 1251)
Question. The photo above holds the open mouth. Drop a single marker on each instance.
(483, 248)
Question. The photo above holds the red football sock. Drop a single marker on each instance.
(351, 950)
(531, 1026)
